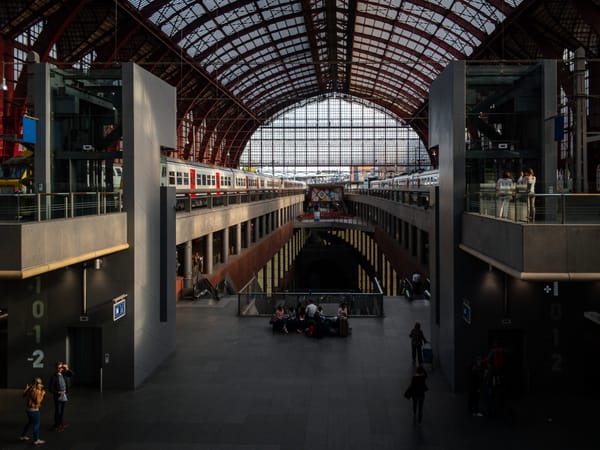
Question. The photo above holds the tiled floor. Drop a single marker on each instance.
(233, 385)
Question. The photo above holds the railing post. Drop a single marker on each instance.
(38, 199)
(564, 209)
(18, 208)
(98, 208)
(72, 200)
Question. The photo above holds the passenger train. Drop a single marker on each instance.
(190, 176)
(416, 179)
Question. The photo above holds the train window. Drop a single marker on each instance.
(186, 179)
(179, 178)
(213, 181)
(203, 179)
(171, 178)
(198, 179)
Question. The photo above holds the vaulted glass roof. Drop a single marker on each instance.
(273, 53)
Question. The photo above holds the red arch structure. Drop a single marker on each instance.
(238, 65)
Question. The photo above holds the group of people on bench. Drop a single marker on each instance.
(310, 320)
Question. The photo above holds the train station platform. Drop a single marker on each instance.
(234, 385)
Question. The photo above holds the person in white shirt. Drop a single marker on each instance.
(311, 309)
(504, 188)
(531, 195)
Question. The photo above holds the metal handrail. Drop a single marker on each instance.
(62, 205)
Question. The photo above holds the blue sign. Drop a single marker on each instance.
(119, 308)
(29, 129)
(466, 312)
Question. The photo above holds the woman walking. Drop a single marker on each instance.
(417, 388)
(33, 395)
(417, 339)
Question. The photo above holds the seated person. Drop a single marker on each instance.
(292, 319)
(279, 320)
(343, 310)
(301, 320)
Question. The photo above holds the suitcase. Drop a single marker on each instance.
(427, 355)
(343, 327)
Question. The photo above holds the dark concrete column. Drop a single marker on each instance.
(225, 249)
(209, 254)
(249, 233)
(238, 239)
(187, 265)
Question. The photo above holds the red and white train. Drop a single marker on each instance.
(189, 176)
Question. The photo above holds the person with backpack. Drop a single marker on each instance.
(417, 339)
(33, 394)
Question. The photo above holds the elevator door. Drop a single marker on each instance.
(86, 355)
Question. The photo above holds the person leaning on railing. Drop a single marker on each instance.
(530, 195)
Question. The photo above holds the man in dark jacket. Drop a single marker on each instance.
(58, 385)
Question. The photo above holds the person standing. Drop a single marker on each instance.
(530, 195)
(474, 381)
(418, 387)
(417, 339)
(504, 187)
(59, 387)
(33, 395)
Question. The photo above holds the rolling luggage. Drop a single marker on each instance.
(427, 355)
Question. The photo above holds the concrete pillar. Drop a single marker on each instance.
(249, 233)
(238, 239)
(225, 245)
(257, 222)
(420, 245)
(209, 254)
(187, 265)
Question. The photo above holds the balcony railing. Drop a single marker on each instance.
(563, 208)
(190, 200)
(253, 302)
(39, 207)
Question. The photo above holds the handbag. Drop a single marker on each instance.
(408, 393)
(63, 397)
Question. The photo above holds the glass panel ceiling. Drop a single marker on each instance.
(399, 46)
(335, 137)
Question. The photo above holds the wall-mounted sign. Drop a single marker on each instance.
(466, 311)
(119, 307)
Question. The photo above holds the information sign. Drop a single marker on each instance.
(466, 312)
(119, 307)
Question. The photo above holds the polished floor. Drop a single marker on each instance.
(233, 385)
